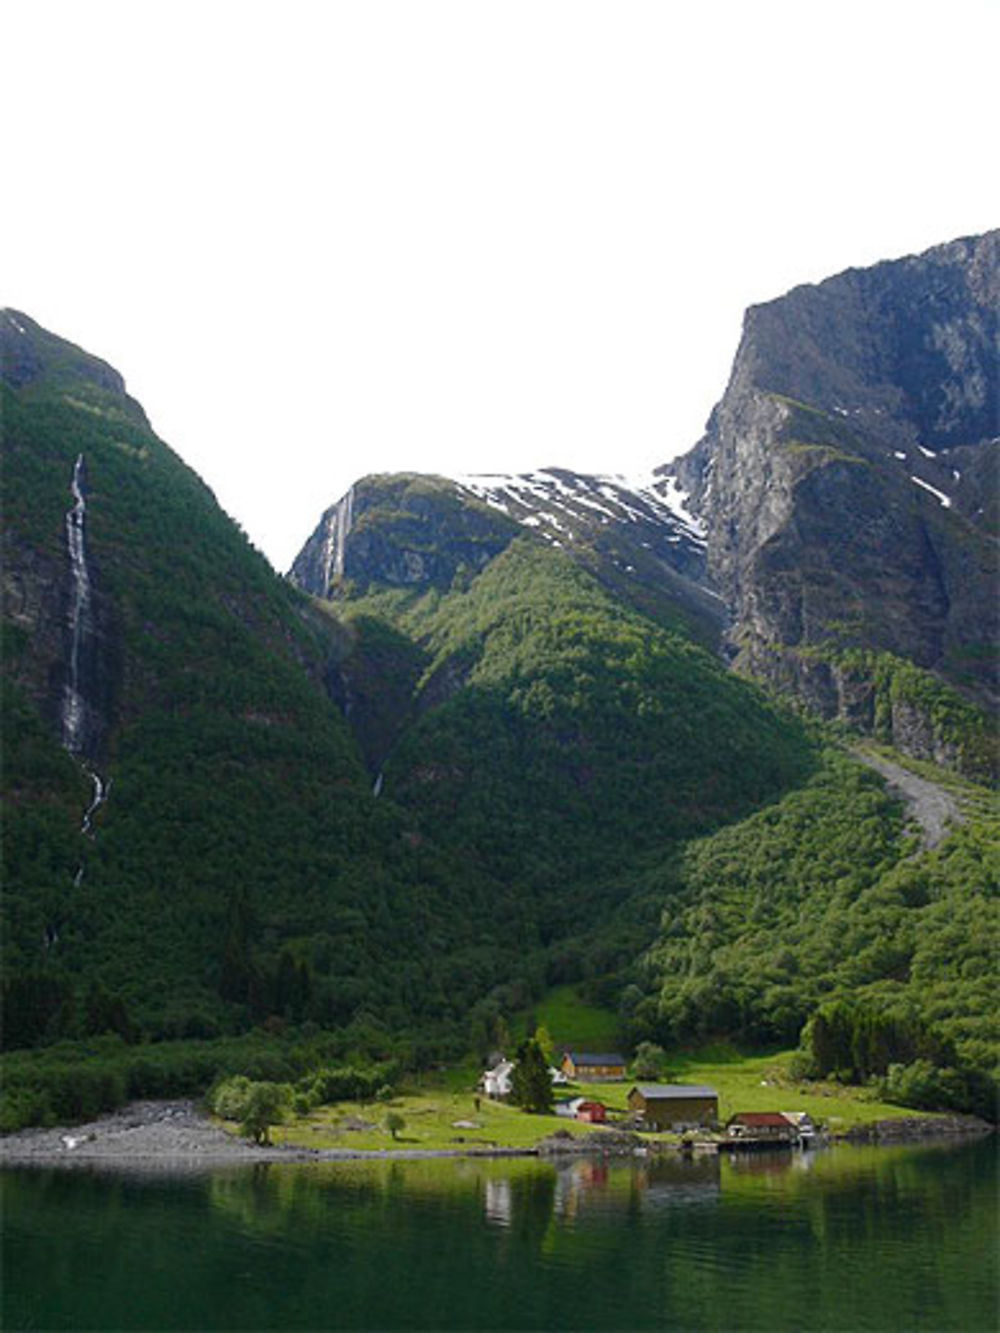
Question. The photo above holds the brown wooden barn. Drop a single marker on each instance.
(674, 1105)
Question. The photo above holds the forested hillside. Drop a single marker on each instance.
(239, 867)
(828, 893)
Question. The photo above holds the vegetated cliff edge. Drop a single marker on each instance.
(848, 483)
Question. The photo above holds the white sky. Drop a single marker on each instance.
(325, 239)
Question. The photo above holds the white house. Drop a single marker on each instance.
(803, 1123)
(496, 1081)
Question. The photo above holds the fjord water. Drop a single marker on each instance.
(851, 1238)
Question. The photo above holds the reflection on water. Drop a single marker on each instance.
(859, 1239)
(602, 1185)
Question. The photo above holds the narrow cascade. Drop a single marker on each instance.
(74, 714)
(336, 537)
(102, 790)
(74, 707)
(377, 788)
(345, 518)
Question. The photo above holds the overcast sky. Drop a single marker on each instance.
(325, 239)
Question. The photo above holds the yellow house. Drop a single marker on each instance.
(585, 1065)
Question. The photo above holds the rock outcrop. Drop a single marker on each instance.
(848, 476)
(400, 531)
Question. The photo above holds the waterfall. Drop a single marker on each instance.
(74, 707)
(336, 537)
(377, 789)
(101, 792)
(345, 516)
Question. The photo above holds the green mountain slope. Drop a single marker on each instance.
(826, 895)
(575, 734)
(240, 866)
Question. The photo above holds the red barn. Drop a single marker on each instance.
(594, 1113)
(769, 1125)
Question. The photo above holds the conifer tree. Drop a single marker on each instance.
(531, 1086)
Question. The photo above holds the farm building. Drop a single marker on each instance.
(593, 1113)
(803, 1122)
(583, 1064)
(674, 1105)
(770, 1126)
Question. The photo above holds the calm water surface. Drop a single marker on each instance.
(852, 1238)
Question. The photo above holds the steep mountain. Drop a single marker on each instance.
(848, 486)
(531, 699)
(190, 838)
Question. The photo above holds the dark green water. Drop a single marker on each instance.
(853, 1239)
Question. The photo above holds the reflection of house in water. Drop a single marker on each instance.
(596, 1186)
(497, 1206)
(767, 1162)
(679, 1183)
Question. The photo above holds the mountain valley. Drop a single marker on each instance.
(497, 734)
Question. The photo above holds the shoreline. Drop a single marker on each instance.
(164, 1134)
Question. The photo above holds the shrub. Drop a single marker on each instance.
(264, 1106)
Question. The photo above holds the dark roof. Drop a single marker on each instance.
(662, 1092)
(588, 1058)
(761, 1119)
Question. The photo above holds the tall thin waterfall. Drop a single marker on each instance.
(74, 707)
(336, 537)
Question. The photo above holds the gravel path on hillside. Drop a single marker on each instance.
(932, 806)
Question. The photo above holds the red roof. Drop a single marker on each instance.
(761, 1120)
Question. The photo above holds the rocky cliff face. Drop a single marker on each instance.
(847, 478)
(399, 531)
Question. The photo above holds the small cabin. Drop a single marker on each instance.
(674, 1105)
(769, 1126)
(592, 1113)
(586, 1065)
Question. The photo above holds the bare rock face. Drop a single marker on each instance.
(848, 476)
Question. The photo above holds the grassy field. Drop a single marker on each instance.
(431, 1110)
(574, 1023)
